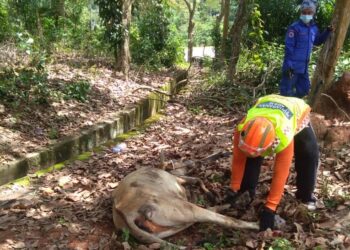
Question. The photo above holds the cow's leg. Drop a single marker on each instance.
(177, 213)
(205, 215)
(147, 237)
(138, 233)
(192, 180)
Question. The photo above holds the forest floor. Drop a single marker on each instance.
(72, 208)
(24, 128)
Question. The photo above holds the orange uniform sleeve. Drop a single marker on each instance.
(238, 163)
(280, 175)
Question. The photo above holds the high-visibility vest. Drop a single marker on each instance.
(285, 113)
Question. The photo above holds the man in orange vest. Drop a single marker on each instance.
(275, 125)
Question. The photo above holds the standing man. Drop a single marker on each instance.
(275, 125)
(300, 39)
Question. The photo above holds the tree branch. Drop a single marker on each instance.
(336, 104)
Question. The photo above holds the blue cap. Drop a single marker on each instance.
(309, 4)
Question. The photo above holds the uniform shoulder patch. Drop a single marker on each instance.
(291, 33)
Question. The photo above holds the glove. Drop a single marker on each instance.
(290, 73)
(267, 219)
(232, 196)
(240, 199)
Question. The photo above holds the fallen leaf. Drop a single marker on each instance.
(252, 244)
(64, 180)
(112, 185)
(154, 246)
(46, 191)
(126, 246)
(19, 245)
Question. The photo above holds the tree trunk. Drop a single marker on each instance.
(123, 56)
(191, 24)
(217, 44)
(59, 10)
(236, 36)
(324, 73)
(225, 30)
(39, 26)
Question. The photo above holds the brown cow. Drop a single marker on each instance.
(152, 204)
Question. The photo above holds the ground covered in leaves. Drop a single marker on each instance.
(72, 208)
(25, 127)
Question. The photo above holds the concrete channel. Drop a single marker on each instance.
(73, 146)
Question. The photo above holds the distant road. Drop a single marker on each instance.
(201, 52)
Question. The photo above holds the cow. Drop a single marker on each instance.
(152, 204)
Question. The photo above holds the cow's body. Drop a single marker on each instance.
(152, 204)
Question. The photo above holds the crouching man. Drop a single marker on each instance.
(275, 125)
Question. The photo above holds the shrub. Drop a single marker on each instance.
(154, 41)
(25, 86)
(78, 91)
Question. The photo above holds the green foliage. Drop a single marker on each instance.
(208, 246)
(74, 25)
(195, 110)
(324, 13)
(125, 235)
(220, 242)
(256, 26)
(330, 203)
(201, 201)
(111, 15)
(281, 244)
(25, 13)
(278, 15)
(262, 62)
(216, 38)
(61, 221)
(53, 133)
(31, 86)
(4, 24)
(343, 64)
(204, 18)
(154, 41)
(83, 30)
(78, 91)
(25, 42)
(25, 86)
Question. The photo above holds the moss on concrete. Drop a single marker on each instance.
(25, 181)
(84, 156)
(96, 139)
(137, 130)
(44, 171)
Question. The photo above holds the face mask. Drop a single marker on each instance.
(306, 18)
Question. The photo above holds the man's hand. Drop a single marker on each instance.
(330, 28)
(267, 219)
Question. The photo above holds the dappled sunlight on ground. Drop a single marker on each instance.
(72, 207)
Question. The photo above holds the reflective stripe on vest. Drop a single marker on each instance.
(285, 113)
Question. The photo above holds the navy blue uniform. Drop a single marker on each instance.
(300, 40)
